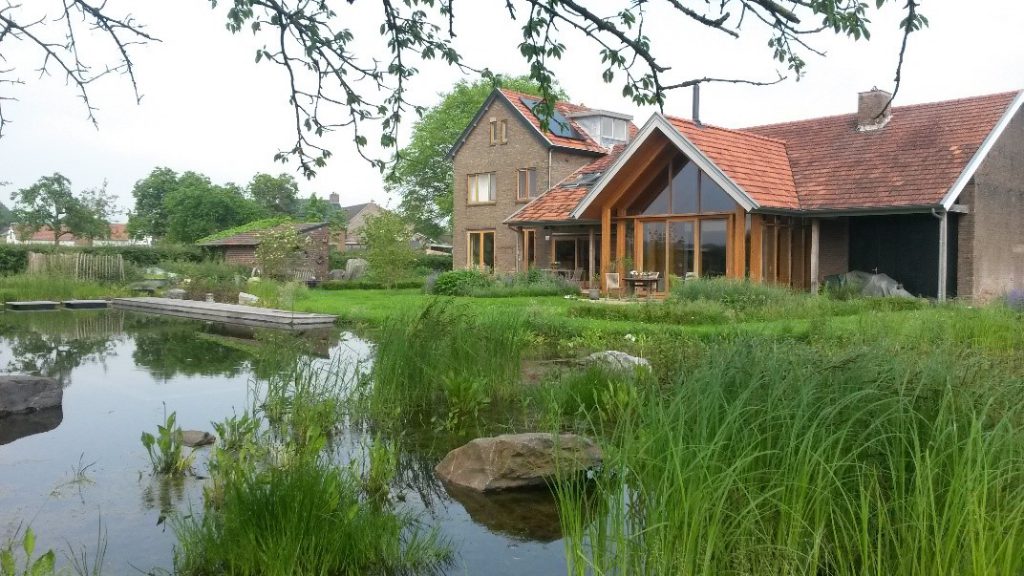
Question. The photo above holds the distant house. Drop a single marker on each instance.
(241, 248)
(355, 216)
(44, 236)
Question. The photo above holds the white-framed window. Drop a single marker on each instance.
(527, 184)
(481, 188)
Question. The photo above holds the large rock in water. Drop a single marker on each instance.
(617, 360)
(517, 461)
(21, 394)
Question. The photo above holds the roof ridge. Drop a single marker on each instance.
(510, 92)
(742, 131)
(894, 109)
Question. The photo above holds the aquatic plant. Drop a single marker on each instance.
(443, 359)
(43, 565)
(165, 449)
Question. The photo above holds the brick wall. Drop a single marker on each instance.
(241, 255)
(965, 246)
(833, 247)
(524, 149)
(995, 226)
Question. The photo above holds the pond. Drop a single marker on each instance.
(68, 471)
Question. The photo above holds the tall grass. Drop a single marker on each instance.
(446, 360)
(45, 287)
(307, 519)
(789, 459)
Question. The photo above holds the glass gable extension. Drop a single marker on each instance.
(684, 221)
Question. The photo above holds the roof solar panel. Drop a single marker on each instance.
(558, 124)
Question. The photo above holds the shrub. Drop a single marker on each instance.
(532, 283)
(460, 282)
(389, 254)
(434, 262)
(14, 257)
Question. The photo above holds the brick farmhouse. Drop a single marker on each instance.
(930, 194)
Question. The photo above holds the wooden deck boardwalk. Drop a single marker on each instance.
(227, 313)
(30, 305)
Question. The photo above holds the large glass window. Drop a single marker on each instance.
(481, 250)
(680, 187)
(654, 245)
(712, 197)
(482, 188)
(713, 255)
(681, 253)
(685, 186)
(565, 254)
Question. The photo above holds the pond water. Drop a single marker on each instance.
(67, 471)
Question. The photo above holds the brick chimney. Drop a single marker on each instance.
(334, 199)
(873, 110)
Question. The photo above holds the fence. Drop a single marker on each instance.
(79, 266)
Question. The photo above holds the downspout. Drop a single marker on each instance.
(943, 252)
(550, 150)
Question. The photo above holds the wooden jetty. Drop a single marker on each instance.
(227, 313)
(85, 304)
(29, 305)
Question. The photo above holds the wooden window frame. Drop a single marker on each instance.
(472, 189)
(519, 184)
(493, 131)
(503, 131)
(638, 239)
(529, 243)
(469, 248)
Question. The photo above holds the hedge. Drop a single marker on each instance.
(14, 257)
(366, 284)
(424, 262)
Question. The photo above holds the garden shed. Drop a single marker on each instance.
(311, 261)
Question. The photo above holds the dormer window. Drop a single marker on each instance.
(607, 128)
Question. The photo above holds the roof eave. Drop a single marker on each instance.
(986, 146)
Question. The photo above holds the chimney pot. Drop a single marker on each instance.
(334, 198)
(873, 110)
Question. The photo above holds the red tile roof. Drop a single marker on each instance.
(586, 143)
(755, 163)
(912, 161)
(556, 204)
(118, 232)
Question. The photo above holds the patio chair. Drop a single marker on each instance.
(613, 281)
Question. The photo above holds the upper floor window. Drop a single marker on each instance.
(482, 188)
(498, 131)
(527, 184)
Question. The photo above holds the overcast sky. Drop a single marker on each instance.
(207, 106)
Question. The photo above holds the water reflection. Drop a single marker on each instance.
(18, 426)
(122, 370)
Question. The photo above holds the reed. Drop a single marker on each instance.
(792, 459)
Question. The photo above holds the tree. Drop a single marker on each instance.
(389, 251)
(334, 83)
(278, 251)
(319, 210)
(276, 194)
(6, 216)
(420, 173)
(198, 208)
(50, 203)
(149, 218)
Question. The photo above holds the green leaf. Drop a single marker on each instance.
(44, 565)
(7, 563)
(29, 543)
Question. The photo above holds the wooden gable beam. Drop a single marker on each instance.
(626, 177)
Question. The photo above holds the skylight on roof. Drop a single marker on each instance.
(584, 180)
(558, 124)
